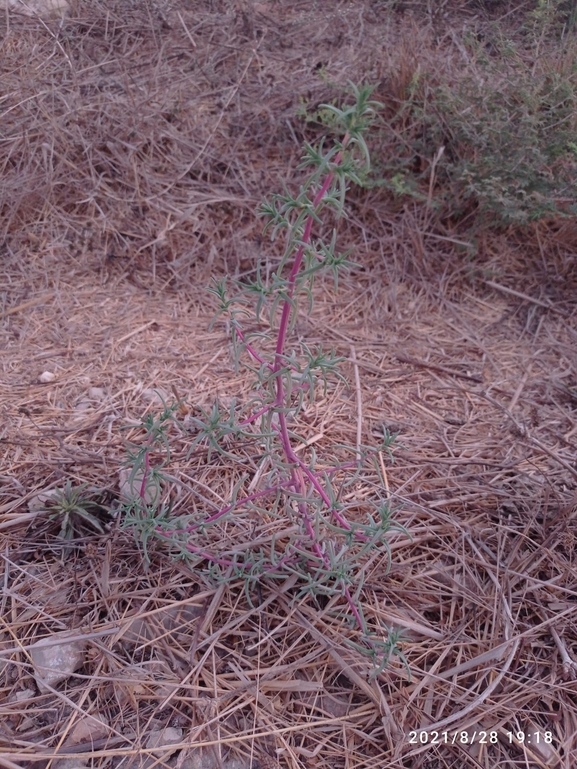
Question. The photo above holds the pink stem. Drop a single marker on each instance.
(254, 417)
(297, 481)
(286, 310)
(292, 457)
(142, 492)
(250, 348)
(225, 510)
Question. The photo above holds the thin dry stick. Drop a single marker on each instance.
(186, 30)
(472, 706)
(523, 431)
(305, 728)
(569, 664)
(423, 364)
(26, 305)
(5, 762)
(384, 472)
(552, 454)
(359, 401)
(519, 390)
(434, 164)
(520, 295)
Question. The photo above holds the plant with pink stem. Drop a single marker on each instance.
(326, 551)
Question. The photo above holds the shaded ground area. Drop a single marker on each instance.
(143, 136)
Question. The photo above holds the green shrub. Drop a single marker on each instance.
(492, 144)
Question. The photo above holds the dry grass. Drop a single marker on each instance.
(137, 140)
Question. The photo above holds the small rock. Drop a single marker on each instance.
(69, 763)
(25, 725)
(208, 759)
(25, 694)
(96, 393)
(88, 729)
(145, 679)
(46, 376)
(55, 661)
(179, 618)
(43, 8)
(131, 682)
(335, 705)
(131, 484)
(158, 395)
(164, 737)
(40, 501)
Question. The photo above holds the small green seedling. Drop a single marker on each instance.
(77, 511)
(329, 540)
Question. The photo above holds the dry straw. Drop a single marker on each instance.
(110, 231)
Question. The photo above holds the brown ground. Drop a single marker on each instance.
(140, 139)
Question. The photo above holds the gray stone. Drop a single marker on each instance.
(55, 659)
(131, 484)
(178, 619)
(45, 9)
(88, 729)
(207, 759)
(164, 737)
(23, 695)
(42, 500)
(69, 763)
